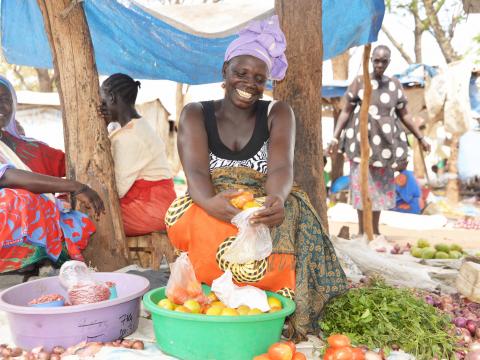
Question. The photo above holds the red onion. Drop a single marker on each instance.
(466, 337)
(474, 346)
(429, 300)
(471, 326)
(477, 333)
(473, 355)
(372, 355)
(460, 322)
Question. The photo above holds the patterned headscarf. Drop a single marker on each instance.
(11, 125)
(265, 41)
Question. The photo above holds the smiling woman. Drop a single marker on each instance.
(243, 143)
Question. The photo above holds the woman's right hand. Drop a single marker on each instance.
(91, 198)
(219, 206)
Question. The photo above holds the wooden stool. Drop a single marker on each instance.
(148, 250)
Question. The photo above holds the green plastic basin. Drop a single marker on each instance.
(206, 337)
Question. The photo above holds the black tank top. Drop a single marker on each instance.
(254, 155)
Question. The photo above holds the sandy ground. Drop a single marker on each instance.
(468, 239)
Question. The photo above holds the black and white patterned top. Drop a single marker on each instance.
(254, 155)
(388, 140)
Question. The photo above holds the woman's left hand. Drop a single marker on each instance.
(273, 214)
(425, 145)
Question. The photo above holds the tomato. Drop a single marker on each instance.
(292, 345)
(262, 357)
(358, 354)
(343, 353)
(338, 340)
(240, 200)
(250, 204)
(329, 354)
(280, 351)
(299, 356)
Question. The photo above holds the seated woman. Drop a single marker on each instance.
(39, 157)
(244, 143)
(142, 172)
(408, 194)
(32, 227)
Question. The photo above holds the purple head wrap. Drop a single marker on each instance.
(265, 41)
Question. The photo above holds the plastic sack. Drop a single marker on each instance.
(183, 284)
(234, 296)
(253, 241)
(394, 269)
(82, 288)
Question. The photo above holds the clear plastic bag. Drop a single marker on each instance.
(183, 284)
(82, 288)
(253, 241)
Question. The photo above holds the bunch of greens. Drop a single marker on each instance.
(381, 316)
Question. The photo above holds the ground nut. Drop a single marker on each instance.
(138, 345)
(127, 344)
(58, 350)
(16, 352)
(43, 355)
(6, 352)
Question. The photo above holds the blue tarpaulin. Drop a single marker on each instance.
(127, 38)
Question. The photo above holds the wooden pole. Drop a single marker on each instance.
(452, 191)
(87, 146)
(365, 146)
(301, 21)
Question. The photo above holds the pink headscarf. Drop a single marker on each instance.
(265, 41)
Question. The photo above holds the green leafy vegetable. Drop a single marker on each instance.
(379, 316)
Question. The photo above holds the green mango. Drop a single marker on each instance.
(442, 247)
(455, 247)
(422, 243)
(428, 253)
(442, 255)
(416, 252)
(455, 254)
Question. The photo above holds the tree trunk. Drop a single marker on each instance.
(45, 82)
(86, 141)
(417, 35)
(440, 35)
(301, 20)
(340, 66)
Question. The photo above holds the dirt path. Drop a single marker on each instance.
(468, 239)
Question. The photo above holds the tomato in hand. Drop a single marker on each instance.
(240, 200)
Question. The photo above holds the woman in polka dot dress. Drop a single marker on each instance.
(388, 141)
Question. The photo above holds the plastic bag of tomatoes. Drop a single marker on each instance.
(183, 284)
